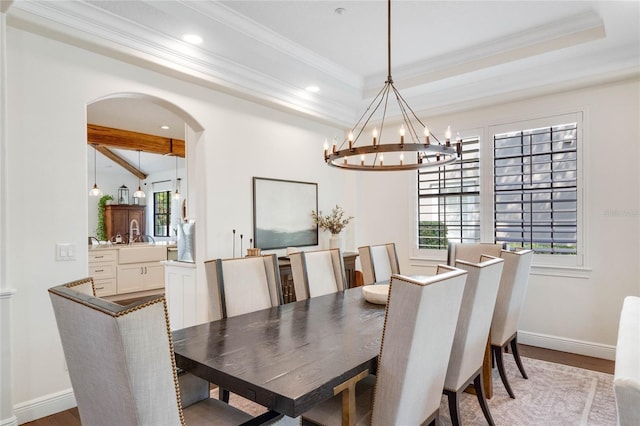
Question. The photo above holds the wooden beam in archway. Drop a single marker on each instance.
(121, 161)
(124, 139)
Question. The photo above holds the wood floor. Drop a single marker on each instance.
(71, 417)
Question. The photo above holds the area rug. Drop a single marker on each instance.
(554, 394)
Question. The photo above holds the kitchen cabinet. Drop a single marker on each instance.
(140, 277)
(140, 268)
(181, 294)
(118, 217)
(102, 268)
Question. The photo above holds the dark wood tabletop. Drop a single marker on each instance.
(290, 357)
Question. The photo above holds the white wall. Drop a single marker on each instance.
(50, 85)
(571, 310)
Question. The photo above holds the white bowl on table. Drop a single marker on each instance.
(376, 293)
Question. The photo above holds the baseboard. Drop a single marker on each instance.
(580, 347)
(11, 421)
(44, 406)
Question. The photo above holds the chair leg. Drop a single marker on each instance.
(516, 356)
(497, 351)
(478, 386)
(223, 395)
(454, 407)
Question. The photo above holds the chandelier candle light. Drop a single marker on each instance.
(429, 151)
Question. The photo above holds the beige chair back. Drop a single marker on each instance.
(513, 288)
(316, 273)
(474, 322)
(420, 323)
(246, 284)
(471, 252)
(378, 262)
(99, 338)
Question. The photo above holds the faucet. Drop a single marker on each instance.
(133, 226)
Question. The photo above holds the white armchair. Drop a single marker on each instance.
(511, 293)
(472, 333)
(626, 378)
(245, 284)
(122, 367)
(316, 273)
(378, 262)
(420, 322)
(506, 315)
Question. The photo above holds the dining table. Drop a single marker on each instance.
(290, 357)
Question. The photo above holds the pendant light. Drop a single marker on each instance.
(176, 195)
(95, 191)
(139, 193)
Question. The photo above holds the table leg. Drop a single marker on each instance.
(486, 371)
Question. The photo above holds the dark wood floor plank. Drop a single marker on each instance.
(574, 360)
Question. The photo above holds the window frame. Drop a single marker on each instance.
(453, 169)
(551, 260)
(156, 214)
(552, 265)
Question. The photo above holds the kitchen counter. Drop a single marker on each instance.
(109, 245)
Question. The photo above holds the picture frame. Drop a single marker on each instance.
(282, 213)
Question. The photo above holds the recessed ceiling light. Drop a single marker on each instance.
(340, 10)
(312, 89)
(165, 127)
(192, 38)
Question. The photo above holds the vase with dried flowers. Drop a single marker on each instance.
(334, 223)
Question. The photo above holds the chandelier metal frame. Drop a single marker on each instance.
(428, 153)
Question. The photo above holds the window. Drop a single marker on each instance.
(520, 186)
(161, 213)
(535, 189)
(449, 201)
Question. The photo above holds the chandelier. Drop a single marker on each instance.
(422, 148)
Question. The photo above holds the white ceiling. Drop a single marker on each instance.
(446, 55)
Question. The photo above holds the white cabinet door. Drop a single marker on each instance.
(153, 276)
(180, 291)
(140, 277)
(130, 278)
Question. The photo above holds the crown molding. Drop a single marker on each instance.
(546, 38)
(84, 25)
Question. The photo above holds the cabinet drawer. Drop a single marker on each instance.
(105, 287)
(100, 271)
(103, 256)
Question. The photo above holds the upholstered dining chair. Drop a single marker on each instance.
(472, 332)
(471, 252)
(316, 273)
(245, 284)
(420, 323)
(121, 364)
(378, 262)
(506, 315)
(513, 285)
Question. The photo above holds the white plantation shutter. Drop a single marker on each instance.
(536, 189)
(449, 201)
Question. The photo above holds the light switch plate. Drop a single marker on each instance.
(65, 251)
